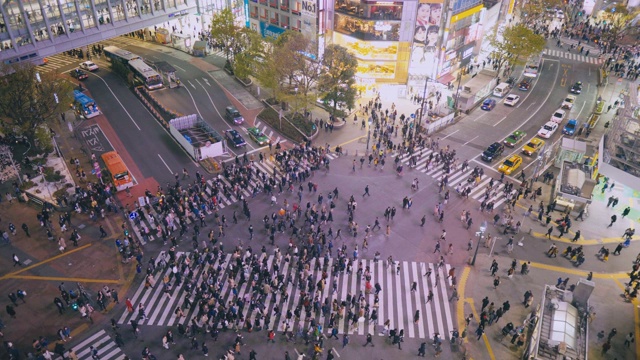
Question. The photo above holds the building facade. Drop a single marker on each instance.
(32, 30)
(273, 17)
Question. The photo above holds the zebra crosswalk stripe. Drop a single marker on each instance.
(396, 302)
(223, 201)
(101, 341)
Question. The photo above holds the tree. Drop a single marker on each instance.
(617, 19)
(224, 31)
(300, 71)
(29, 99)
(535, 11)
(288, 72)
(244, 62)
(515, 45)
(338, 77)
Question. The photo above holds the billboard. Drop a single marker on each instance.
(427, 36)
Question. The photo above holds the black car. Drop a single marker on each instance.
(525, 84)
(79, 74)
(235, 138)
(493, 151)
(576, 88)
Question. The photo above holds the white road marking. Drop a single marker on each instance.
(118, 100)
(165, 164)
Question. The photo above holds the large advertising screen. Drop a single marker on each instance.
(426, 38)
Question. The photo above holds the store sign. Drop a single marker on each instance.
(270, 30)
(246, 13)
(309, 8)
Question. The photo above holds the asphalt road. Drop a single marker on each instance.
(481, 128)
(158, 155)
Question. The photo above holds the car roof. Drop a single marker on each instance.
(572, 121)
(231, 108)
(517, 132)
(514, 156)
(550, 123)
(536, 141)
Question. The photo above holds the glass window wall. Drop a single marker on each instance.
(367, 30)
(370, 11)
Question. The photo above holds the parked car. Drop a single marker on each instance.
(89, 66)
(568, 102)
(571, 127)
(233, 115)
(258, 136)
(493, 151)
(533, 146)
(515, 138)
(78, 74)
(510, 165)
(558, 116)
(488, 104)
(525, 84)
(234, 138)
(547, 130)
(511, 100)
(576, 88)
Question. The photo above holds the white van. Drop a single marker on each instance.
(501, 90)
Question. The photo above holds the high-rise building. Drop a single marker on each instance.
(620, 147)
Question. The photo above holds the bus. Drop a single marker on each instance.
(115, 53)
(145, 74)
(533, 66)
(84, 105)
(118, 170)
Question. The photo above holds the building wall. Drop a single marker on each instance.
(39, 28)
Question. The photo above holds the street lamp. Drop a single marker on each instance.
(369, 134)
(424, 99)
(479, 234)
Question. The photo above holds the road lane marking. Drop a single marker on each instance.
(13, 274)
(165, 164)
(118, 100)
(465, 144)
(178, 67)
(498, 123)
(449, 134)
(190, 83)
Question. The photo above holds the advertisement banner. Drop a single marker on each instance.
(426, 39)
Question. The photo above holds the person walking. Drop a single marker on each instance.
(369, 340)
(16, 260)
(26, 229)
(480, 331)
(496, 282)
(549, 231)
(11, 311)
(345, 340)
(576, 237)
(422, 350)
(613, 220)
(366, 191)
(416, 317)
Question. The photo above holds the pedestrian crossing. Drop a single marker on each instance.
(573, 56)
(269, 133)
(101, 341)
(456, 176)
(397, 302)
(145, 227)
(58, 61)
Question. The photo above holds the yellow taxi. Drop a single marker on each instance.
(510, 165)
(533, 146)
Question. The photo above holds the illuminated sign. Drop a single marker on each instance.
(464, 14)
